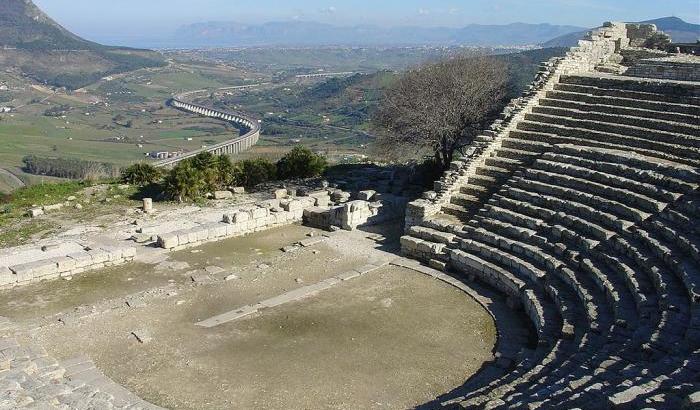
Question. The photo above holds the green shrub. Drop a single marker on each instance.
(252, 172)
(185, 182)
(301, 162)
(141, 174)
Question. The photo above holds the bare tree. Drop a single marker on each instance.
(441, 107)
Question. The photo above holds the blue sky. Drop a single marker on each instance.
(97, 19)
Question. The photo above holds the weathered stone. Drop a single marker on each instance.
(147, 205)
(142, 336)
(366, 195)
(279, 193)
(35, 212)
(221, 195)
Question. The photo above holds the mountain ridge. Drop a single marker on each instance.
(33, 44)
(296, 33)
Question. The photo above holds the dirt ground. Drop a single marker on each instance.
(392, 338)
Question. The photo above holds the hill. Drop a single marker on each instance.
(35, 45)
(299, 33)
(679, 30)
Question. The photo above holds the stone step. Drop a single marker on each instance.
(517, 154)
(601, 99)
(514, 142)
(619, 121)
(594, 201)
(637, 95)
(498, 173)
(675, 138)
(485, 181)
(508, 164)
(623, 110)
(433, 235)
(478, 191)
(551, 175)
(669, 185)
(466, 201)
(549, 204)
(557, 134)
(645, 88)
(557, 164)
(459, 211)
(422, 249)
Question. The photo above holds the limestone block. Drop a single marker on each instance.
(147, 205)
(54, 207)
(340, 196)
(193, 235)
(281, 217)
(322, 200)
(233, 229)
(129, 252)
(260, 213)
(23, 272)
(99, 256)
(65, 264)
(41, 268)
(218, 230)
(292, 205)
(238, 190)
(260, 222)
(221, 195)
(7, 277)
(240, 217)
(202, 234)
(35, 212)
(280, 193)
(183, 238)
(114, 253)
(270, 204)
(366, 195)
(82, 259)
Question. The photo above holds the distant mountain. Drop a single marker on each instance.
(35, 45)
(679, 30)
(297, 33)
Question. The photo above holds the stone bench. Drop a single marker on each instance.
(544, 130)
(672, 170)
(640, 87)
(534, 202)
(487, 272)
(553, 163)
(592, 105)
(632, 95)
(622, 195)
(610, 206)
(609, 100)
(625, 124)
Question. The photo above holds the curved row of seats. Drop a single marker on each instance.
(587, 218)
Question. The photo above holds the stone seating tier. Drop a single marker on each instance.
(584, 215)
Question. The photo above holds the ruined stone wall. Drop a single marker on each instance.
(599, 47)
(676, 68)
(248, 219)
(27, 265)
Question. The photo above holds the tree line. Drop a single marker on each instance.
(192, 178)
(69, 168)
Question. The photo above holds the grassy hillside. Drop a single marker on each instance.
(38, 47)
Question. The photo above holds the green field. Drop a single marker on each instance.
(118, 120)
